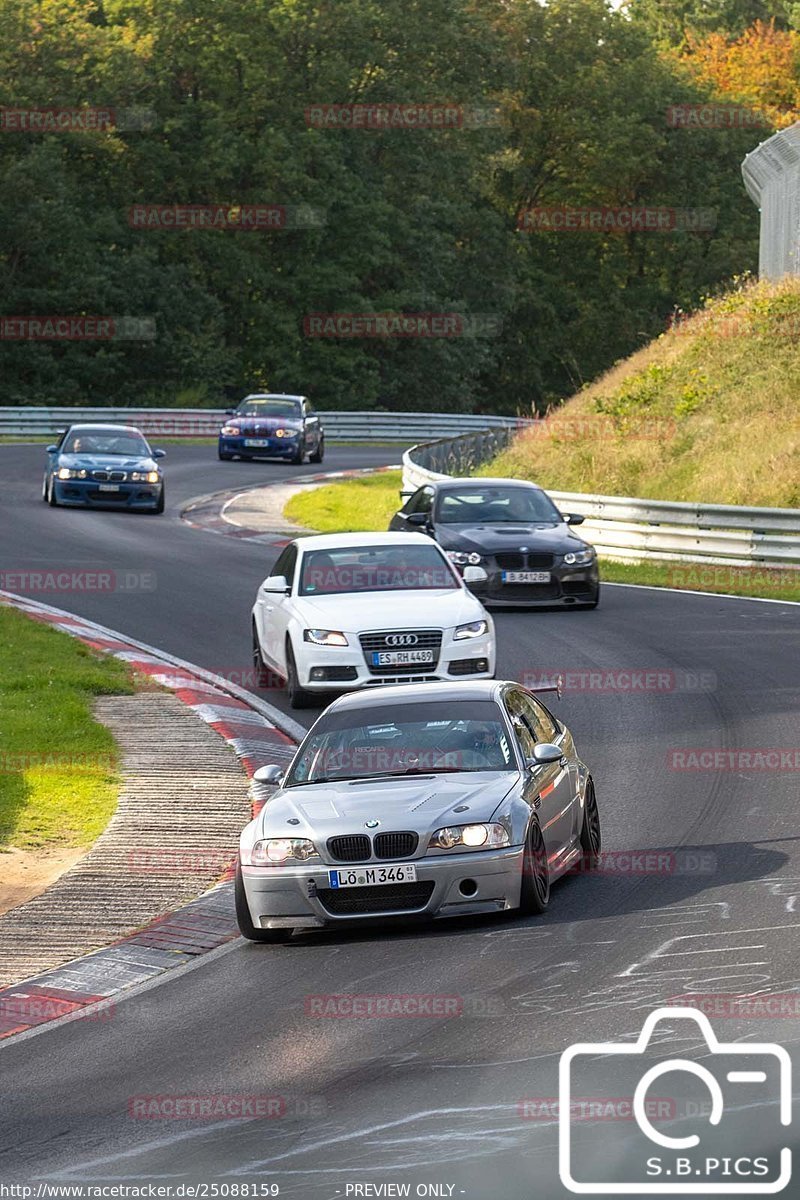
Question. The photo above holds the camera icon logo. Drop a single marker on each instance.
(652, 1161)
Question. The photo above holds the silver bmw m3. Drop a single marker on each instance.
(430, 800)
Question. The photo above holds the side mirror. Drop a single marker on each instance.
(574, 519)
(545, 752)
(275, 583)
(229, 412)
(51, 449)
(159, 453)
(417, 518)
(271, 773)
(474, 574)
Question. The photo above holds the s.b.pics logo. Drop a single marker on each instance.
(726, 1102)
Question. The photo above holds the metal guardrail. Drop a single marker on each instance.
(205, 422)
(626, 528)
(771, 175)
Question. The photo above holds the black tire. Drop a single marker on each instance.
(159, 508)
(591, 839)
(261, 672)
(319, 453)
(298, 696)
(593, 603)
(52, 499)
(535, 891)
(245, 922)
(224, 456)
(297, 458)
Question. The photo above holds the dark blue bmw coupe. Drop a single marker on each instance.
(272, 425)
(104, 466)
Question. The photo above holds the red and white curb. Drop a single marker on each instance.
(258, 733)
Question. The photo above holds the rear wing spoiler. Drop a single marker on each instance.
(556, 686)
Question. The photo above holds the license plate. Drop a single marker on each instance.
(372, 876)
(400, 658)
(526, 576)
(256, 441)
(108, 487)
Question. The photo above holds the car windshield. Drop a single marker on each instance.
(485, 506)
(106, 441)
(374, 569)
(427, 737)
(270, 406)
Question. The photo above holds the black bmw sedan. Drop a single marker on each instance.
(526, 552)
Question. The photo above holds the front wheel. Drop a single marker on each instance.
(224, 456)
(298, 456)
(245, 922)
(259, 667)
(535, 892)
(590, 830)
(52, 500)
(159, 508)
(319, 453)
(298, 696)
(593, 603)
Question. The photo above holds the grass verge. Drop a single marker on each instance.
(706, 412)
(369, 502)
(59, 780)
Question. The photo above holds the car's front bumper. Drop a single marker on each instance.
(344, 668)
(86, 493)
(299, 897)
(274, 448)
(568, 586)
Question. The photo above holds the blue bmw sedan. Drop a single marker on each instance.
(104, 466)
(272, 425)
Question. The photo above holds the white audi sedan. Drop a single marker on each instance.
(354, 610)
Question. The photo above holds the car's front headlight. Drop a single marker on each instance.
(462, 559)
(273, 852)
(325, 637)
(70, 473)
(470, 837)
(283, 433)
(144, 476)
(472, 630)
(579, 558)
(230, 431)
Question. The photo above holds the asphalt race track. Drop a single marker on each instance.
(433, 1100)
